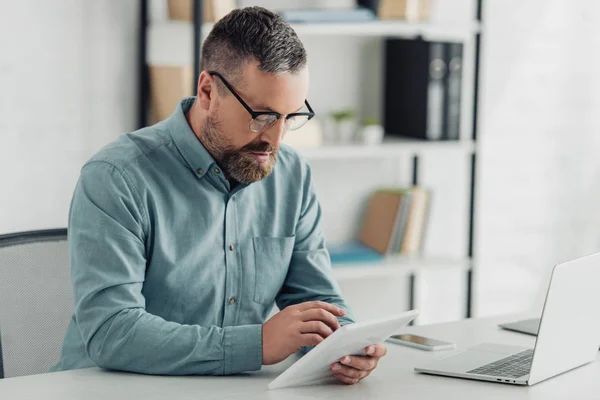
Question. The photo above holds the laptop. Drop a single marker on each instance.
(568, 337)
(529, 326)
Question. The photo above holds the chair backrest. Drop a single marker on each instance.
(36, 301)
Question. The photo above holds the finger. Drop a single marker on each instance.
(318, 314)
(345, 379)
(348, 372)
(310, 339)
(376, 350)
(360, 362)
(317, 327)
(335, 310)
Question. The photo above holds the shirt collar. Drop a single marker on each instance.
(190, 147)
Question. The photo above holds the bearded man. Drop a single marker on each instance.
(183, 235)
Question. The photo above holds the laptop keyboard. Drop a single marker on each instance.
(513, 366)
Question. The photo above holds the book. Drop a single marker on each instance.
(353, 252)
(379, 221)
(423, 83)
(395, 220)
(415, 223)
(324, 15)
(401, 217)
(453, 90)
(411, 10)
(212, 10)
(401, 220)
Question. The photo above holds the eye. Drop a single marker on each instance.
(263, 122)
(296, 122)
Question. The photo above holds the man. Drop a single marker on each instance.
(184, 234)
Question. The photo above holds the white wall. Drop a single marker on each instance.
(539, 181)
(67, 86)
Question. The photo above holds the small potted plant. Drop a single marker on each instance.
(372, 131)
(344, 125)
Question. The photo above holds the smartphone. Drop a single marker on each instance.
(421, 342)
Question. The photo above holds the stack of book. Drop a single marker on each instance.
(395, 221)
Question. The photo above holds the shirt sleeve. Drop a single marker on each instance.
(309, 276)
(107, 236)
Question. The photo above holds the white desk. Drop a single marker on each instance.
(393, 379)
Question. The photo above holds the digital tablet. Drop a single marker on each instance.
(351, 339)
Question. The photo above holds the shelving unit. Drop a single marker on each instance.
(374, 28)
(388, 149)
(164, 32)
(191, 35)
(398, 266)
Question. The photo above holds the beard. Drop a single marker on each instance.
(238, 163)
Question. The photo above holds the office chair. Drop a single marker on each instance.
(36, 302)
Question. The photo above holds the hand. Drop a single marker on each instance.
(352, 369)
(304, 324)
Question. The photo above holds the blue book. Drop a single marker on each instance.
(353, 252)
(320, 15)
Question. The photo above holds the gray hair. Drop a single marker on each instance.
(252, 33)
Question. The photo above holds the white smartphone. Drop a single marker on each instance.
(421, 342)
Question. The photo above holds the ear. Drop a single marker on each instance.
(206, 90)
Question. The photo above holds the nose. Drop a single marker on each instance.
(274, 135)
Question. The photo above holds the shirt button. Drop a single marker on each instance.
(217, 170)
(232, 301)
(231, 247)
(200, 171)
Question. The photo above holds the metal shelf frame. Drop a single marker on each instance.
(143, 112)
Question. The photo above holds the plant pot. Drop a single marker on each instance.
(346, 130)
(372, 134)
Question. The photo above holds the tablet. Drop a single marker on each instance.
(351, 339)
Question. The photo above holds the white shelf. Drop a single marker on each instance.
(388, 28)
(170, 42)
(387, 149)
(397, 28)
(398, 266)
(372, 28)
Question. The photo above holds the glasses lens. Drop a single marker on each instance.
(296, 122)
(262, 122)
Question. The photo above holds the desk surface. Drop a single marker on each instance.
(393, 379)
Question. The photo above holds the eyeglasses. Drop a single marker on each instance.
(263, 120)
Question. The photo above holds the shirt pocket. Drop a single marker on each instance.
(272, 256)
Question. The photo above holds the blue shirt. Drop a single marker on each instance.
(173, 271)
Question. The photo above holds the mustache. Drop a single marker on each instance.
(260, 147)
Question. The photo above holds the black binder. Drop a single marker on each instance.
(422, 89)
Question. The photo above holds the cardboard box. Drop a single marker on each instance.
(212, 11)
(411, 10)
(168, 85)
